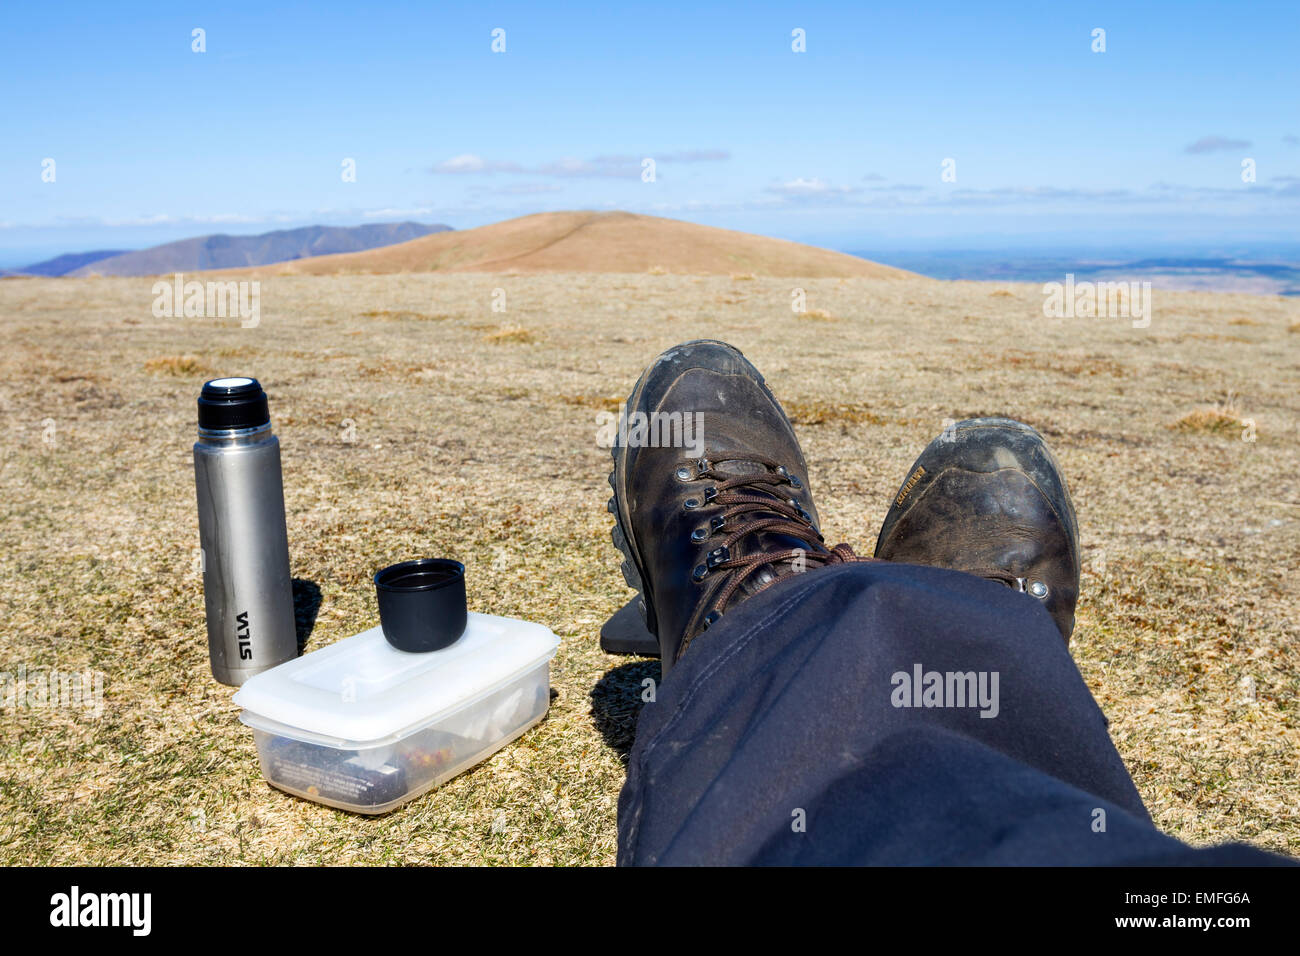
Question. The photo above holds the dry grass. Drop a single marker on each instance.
(179, 365)
(511, 333)
(815, 315)
(607, 403)
(1188, 631)
(1213, 421)
(820, 412)
(403, 315)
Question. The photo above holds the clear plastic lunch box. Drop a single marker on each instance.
(362, 726)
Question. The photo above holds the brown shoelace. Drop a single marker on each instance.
(759, 496)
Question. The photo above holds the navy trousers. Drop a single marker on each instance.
(885, 714)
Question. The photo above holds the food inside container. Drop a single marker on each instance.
(365, 727)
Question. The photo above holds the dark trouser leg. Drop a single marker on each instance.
(777, 738)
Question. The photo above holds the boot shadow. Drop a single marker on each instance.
(616, 703)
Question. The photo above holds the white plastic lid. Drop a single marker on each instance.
(362, 690)
(230, 382)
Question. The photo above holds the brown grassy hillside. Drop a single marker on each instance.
(416, 420)
(594, 242)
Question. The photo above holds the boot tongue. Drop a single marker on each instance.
(740, 467)
(770, 543)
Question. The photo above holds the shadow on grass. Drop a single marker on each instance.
(306, 605)
(616, 703)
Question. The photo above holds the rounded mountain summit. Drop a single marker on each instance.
(594, 242)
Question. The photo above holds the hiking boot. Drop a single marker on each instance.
(711, 500)
(987, 497)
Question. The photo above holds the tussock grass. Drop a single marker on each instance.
(1211, 421)
(611, 403)
(180, 365)
(511, 334)
(402, 315)
(818, 412)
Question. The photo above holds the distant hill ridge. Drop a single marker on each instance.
(221, 251)
(62, 265)
(584, 241)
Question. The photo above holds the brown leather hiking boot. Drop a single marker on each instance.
(711, 500)
(987, 497)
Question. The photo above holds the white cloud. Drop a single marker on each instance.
(694, 156)
(604, 167)
(527, 189)
(470, 163)
(570, 167)
(1216, 144)
(810, 187)
(167, 219)
(397, 213)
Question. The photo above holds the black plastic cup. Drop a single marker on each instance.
(422, 604)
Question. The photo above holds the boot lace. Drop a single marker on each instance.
(754, 503)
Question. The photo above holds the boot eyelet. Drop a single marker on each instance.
(700, 573)
(711, 618)
(683, 474)
(717, 556)
(795, 482)
(690, 504)
(703, 465)
(1038, 589)
(699, 534)
(716, 524)
(710, 493)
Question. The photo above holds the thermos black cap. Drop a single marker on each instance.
(227, 403)
(422, 604)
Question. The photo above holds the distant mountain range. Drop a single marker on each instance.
(231, 252)
(1266, 273)
(62, 265)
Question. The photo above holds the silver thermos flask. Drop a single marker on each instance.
(247, 590)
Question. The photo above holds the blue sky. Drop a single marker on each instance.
(841, 145)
